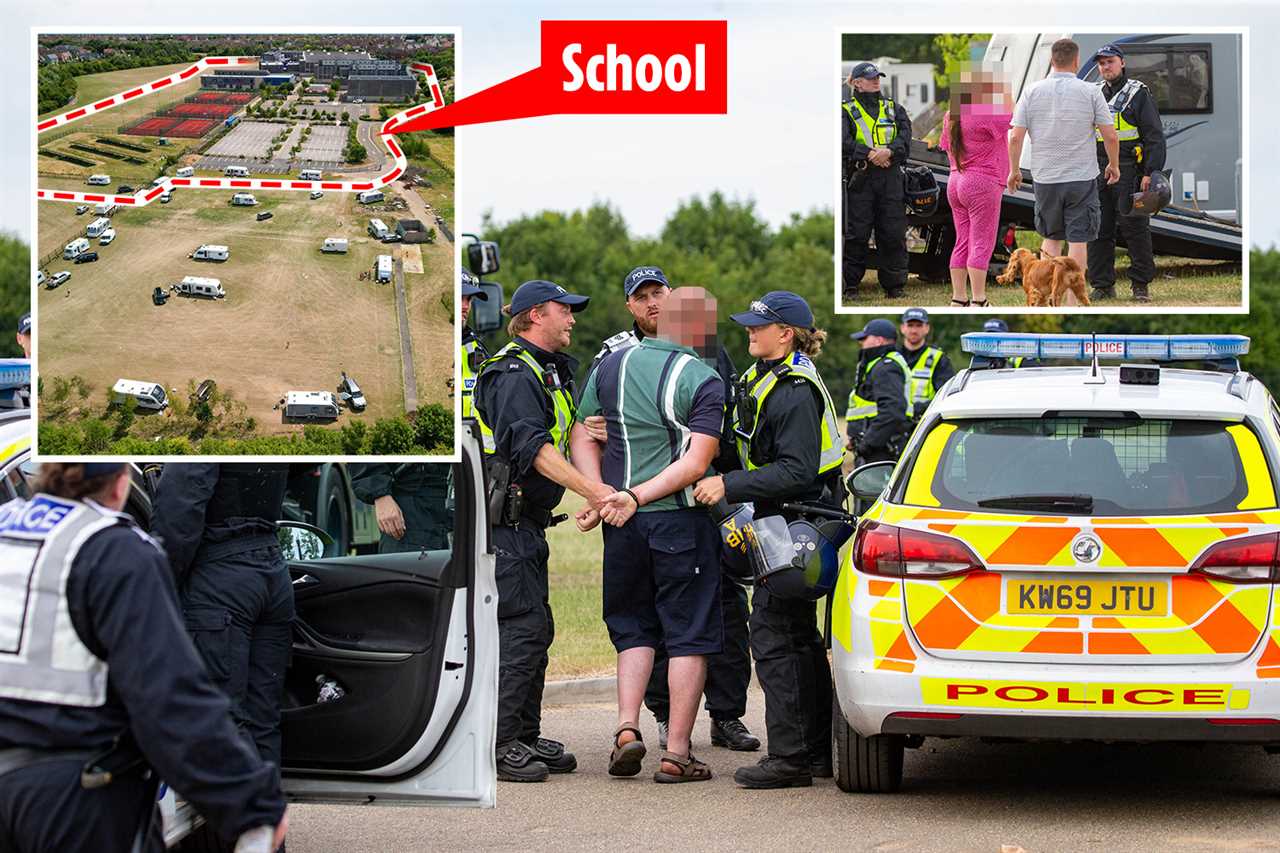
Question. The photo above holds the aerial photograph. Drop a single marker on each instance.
(236, 252)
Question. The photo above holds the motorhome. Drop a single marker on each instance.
(311, 406)
(335, 244)
(309, 175)
(75, 247)
(186, 172)
(107, 238)
(244, 199)
(370, 196)
(194, 285)
(236, 172)
(147, 395)
(97, 226)
(105, 209)
(99, 180)
(378, 229)
(210, 253)
(382, 270)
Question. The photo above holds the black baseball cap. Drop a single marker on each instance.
(777, 306)
(995, 324)
(915, 315)
(101, 469)
(641, 276)
(866, 69)
(536, 292)
(471, 286)
(1109, 49)
(879, 327)
(24, 324)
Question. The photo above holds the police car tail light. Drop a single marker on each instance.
(1251, 559)
(882, 549)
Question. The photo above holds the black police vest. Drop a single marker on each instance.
(248, 491)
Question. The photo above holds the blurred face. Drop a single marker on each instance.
(466, 309)
(689, 318)
(914, 332)
(769, 342)
(645, 304)
(1110, 67)
(554, 321)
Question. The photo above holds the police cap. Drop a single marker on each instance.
(536, 292)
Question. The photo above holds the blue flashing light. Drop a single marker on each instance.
(15, 373)
(1109, 347)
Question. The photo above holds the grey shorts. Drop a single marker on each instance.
(1069, 211)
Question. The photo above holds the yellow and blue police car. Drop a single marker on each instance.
(1078, 551)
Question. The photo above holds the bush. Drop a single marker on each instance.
(392, 437)
(433, 426)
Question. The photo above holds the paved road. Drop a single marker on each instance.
(958, 796)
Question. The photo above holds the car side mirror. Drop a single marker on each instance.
(482, 257)
(300, 541)
(869, 481)
(486, 314)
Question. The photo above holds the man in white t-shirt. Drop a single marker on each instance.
(1060, 115)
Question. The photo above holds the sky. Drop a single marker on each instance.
(776, 146)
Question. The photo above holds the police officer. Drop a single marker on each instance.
(410, 501)
(879, 417)
(929, 366)
(645, 289)
(473, 351)
(1142, 153)
(524, 403)
(102, 675)
(24, 334)
(875, 141)
(789, 444)
(218, 525)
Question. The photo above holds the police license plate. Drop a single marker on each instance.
(1085, 598)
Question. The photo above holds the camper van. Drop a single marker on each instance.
(382, 270)
(309, 175)
(99, 180)
(186, 172)
(335, 244)
(370, 196)
(147, 395)
(105, 209)
(194, 285)
(311, 405)
(244, 199)
(378, 229)
(75, 247)
(210, 253)
(97, 226)
(236, 172)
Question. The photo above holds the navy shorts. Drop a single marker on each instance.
(662, 583)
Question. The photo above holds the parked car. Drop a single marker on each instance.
(58, 278)
(165, 198)
(86, 257)
(82, 209)
(125, 188)
(107, 237)
(266, 214)
(393, 237)
(351, 394)
(159, 296)
(315, 194)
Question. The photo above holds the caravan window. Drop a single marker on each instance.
(1179, 75)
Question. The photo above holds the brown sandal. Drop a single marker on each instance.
(626, 757)
(691, 769)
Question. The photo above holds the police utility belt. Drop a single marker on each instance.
(507, 505)
(99, 768)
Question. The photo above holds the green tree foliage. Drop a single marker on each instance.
(391, 437)
(56, 84)
(15, 291)
(433, 427)
(956, 49)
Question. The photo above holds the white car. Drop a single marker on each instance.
(1080, 552)
(107, 237)
(315, 194)
(58, 278)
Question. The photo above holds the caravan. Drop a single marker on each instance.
(382, 270)
(186, 172)
(105, 209)
(75, 247)
(310, 406)
(99, 180)
(244, 200)
(335, 244)
(210, 253)
(96, 227)
(194, 285)
(370, 196)
(147, 395)
(309, 175)
(378, 229)
(236, 172)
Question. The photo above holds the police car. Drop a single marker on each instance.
(1085, 551)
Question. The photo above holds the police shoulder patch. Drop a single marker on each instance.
(621, 338)
(33, 518)
(802, 360)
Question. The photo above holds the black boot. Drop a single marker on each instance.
(733, 734)
(1102, 294)
(821, 768)
(774, 773)
(519, 763)
(1140, 292)
(552, 753)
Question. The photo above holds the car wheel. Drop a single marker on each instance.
(864, 765)
(333, 516)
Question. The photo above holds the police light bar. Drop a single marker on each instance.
(1109, 347)
(15, 373)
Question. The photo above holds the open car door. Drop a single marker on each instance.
(391, 692)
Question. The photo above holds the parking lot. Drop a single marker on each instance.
(250, 140)
(325, 143)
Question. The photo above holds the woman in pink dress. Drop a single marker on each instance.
(975, 135)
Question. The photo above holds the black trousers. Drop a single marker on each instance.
(1117, 206)
(239, 612)
(791, 663)
(525, 630)
(43, 808)
(876, 203)
(728, 673)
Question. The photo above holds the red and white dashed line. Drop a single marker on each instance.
(147, 195)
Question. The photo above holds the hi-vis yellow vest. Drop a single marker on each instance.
(861, 408)
(873, 133)
(467, 354)
(561, 400)
(759, 386)
(920, 388)
(1119, 101)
